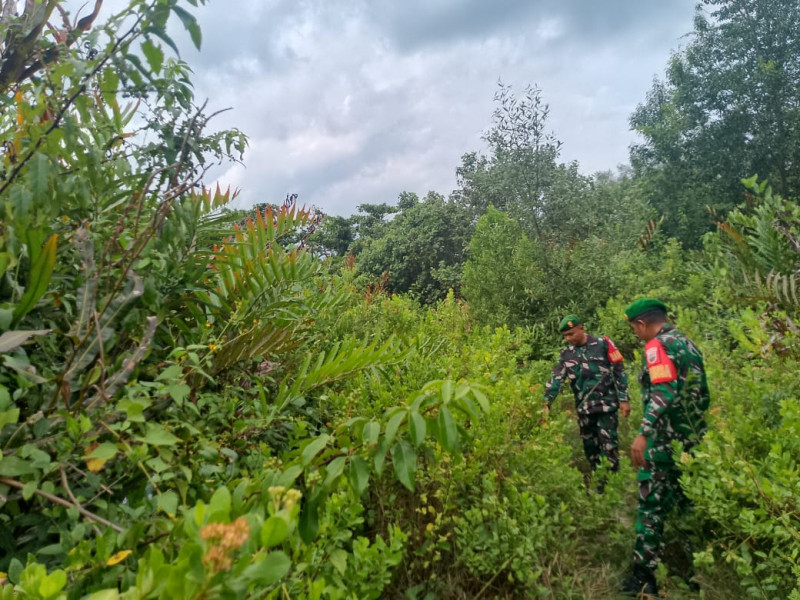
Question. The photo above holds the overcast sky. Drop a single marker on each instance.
(354, 101)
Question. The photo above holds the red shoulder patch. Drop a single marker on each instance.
(614, 355)
(659, 364)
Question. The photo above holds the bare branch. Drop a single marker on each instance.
(61, 502)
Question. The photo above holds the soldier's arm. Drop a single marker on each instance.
(663, 386)
(553, 386)
(618, 370)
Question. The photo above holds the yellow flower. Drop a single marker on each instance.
(212, 347)
(118, 558)
(208, 324)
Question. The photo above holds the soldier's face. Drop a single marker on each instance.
(639, 329)
(575, 336)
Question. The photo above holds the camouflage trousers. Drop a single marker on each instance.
(599, 436)
(659, 493)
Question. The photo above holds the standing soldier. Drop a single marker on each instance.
(675, 396)
(597, 377)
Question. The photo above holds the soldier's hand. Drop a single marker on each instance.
(637, 450)
(545, 413)
(625, 409)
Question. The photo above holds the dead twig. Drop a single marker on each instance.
(65, 503)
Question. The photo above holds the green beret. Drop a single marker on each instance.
(569, 322)
(643, 305)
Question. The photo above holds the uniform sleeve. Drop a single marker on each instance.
(663, 386)
(553, 386)
(618, 369)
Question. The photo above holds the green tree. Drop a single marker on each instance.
(422, 248)
(501, 269)
(522, 164)
(728, 109)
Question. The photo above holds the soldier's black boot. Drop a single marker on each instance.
(640, 583)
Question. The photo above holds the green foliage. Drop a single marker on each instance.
(727, 110)
(193, 405)
(502, 271)
(422, 248)
(743, 482)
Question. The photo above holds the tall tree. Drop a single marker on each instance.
(729, 108)
(522, 165)
(423, 248)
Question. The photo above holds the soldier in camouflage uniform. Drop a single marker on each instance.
(597, 377)
(675, 396)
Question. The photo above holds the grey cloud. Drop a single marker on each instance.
(352, 101)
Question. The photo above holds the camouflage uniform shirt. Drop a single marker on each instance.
(674, 391)
(675, 395)
(596, 375)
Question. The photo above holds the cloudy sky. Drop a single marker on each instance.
(353, 101)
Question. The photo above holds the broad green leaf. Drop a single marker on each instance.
(39, 170)
(15, 568)
(358, 474)
(481, 398)
(416, 427)
(287, 478)
(29, 490)
(154, 55)
(334, 470)
(109, 594)
(404, 460)
(338, 558)
(158, 436)
(448, 430)
(168, 502)
(417, 403)
(446, 392)
(9, 417)
(309, 521)
(266, 572)
(220, 503)
(190, 23)
(13, 339)
(157, 464)
(380, 456)
(13, 466)
(371, 432)
(108, 88)
(38, 457)
(6, 317)
(199, 514)
(313, 448)
(274, 531)
(159, 33)
(179, 391)
(461, 390)
(22, 366)
(171, 372)
(467, 406)
(134, 409)
(52, 584)
(392, 426)
(40, 273)
(105, 451)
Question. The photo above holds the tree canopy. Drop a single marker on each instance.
(728, 109)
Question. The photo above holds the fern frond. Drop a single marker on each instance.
(776, 288)
(340, 361)
(650, 231)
